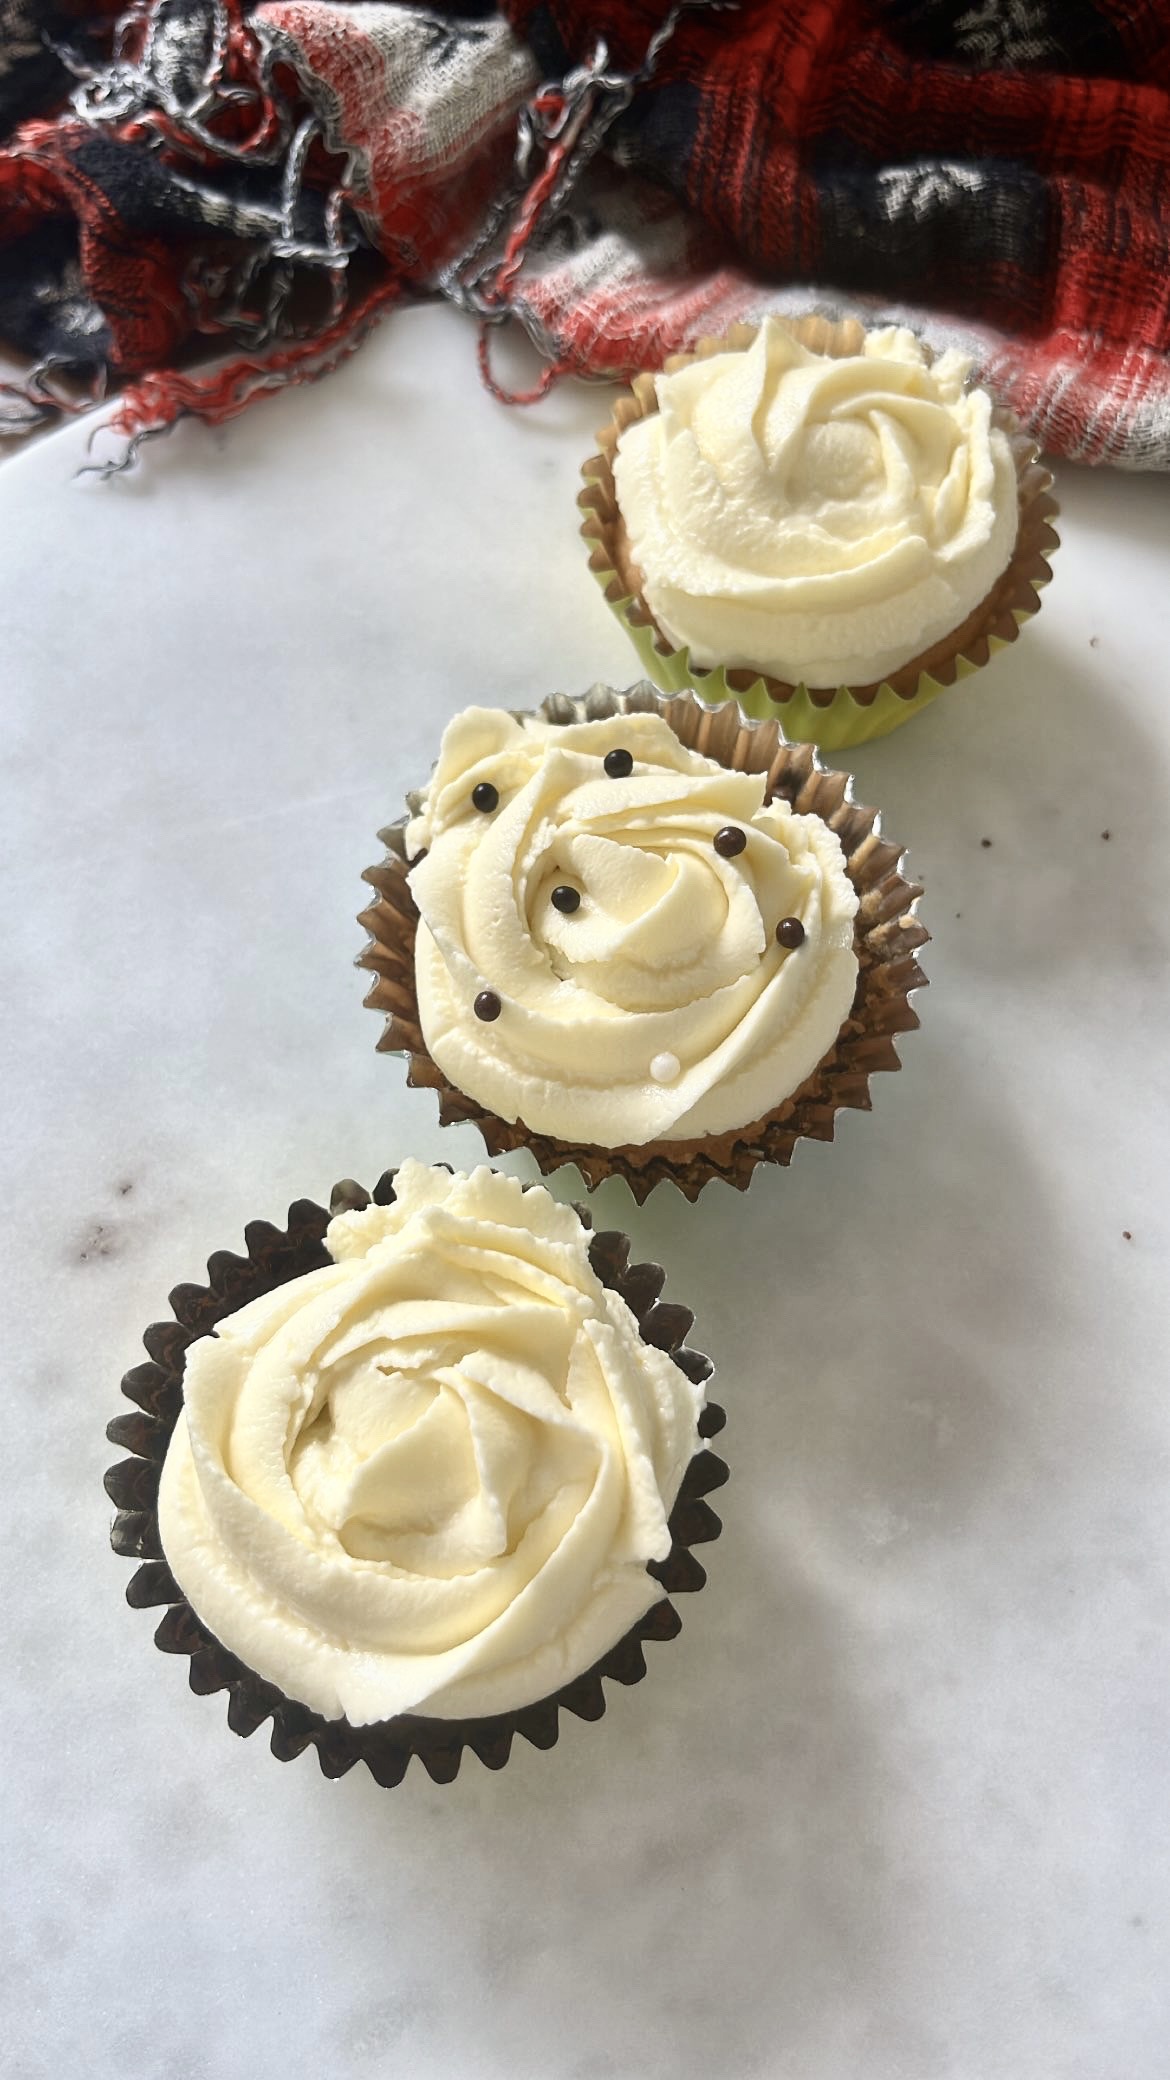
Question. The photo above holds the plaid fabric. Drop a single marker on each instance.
(269, 178)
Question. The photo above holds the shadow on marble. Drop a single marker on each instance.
(1004, 796)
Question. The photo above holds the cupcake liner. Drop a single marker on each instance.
(887, 935)
(274, 1256)
(833, 717)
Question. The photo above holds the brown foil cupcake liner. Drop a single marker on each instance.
(887, 935)
(274, 1256)
(834, 717)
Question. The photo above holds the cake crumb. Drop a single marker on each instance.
(1126, 1235)
(1106, 835)
(986, 844)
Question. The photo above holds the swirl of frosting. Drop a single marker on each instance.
(429, 1477)
(659, 1004)
(821, 520)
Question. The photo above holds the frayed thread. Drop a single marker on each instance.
(197, 84)
(36, 402)
(156, 403)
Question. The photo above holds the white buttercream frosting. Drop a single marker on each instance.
(662, 1006)
(428, 1478)
(817, 519)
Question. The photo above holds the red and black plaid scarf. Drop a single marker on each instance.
(268, 179)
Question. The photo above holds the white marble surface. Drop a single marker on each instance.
(894, 1806)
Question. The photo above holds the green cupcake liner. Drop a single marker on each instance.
(838, 726)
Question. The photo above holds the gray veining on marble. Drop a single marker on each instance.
(894, 1806)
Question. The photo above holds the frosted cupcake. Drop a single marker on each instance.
(640, 936)
(428, 1479)
(823, 521)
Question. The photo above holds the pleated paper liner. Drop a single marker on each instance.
(274, 1256)
(833, 717)
(887, 936)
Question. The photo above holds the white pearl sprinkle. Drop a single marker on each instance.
(665, 1067)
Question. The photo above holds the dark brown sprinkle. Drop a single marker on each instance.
(1105, 835)
(619, 764)
(487, 1006)
(730, 841)
(1126, 1235)
(485, 797)
(986, 844)
(566, 899)
(790, 933)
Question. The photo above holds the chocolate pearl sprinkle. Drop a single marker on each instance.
(485, 797)
(790, 933)
(487, 1005)
(730, 841)
(619, 764)
(566, 900)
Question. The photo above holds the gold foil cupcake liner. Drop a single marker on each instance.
(887, 931)
(833, 717)
(273, 1257)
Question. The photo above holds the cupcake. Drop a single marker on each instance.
(830, 524)
(642, 936)
(427, 1481)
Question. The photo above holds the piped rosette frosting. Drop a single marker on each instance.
(620, 940)
(429, 1477)
(822, 519)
